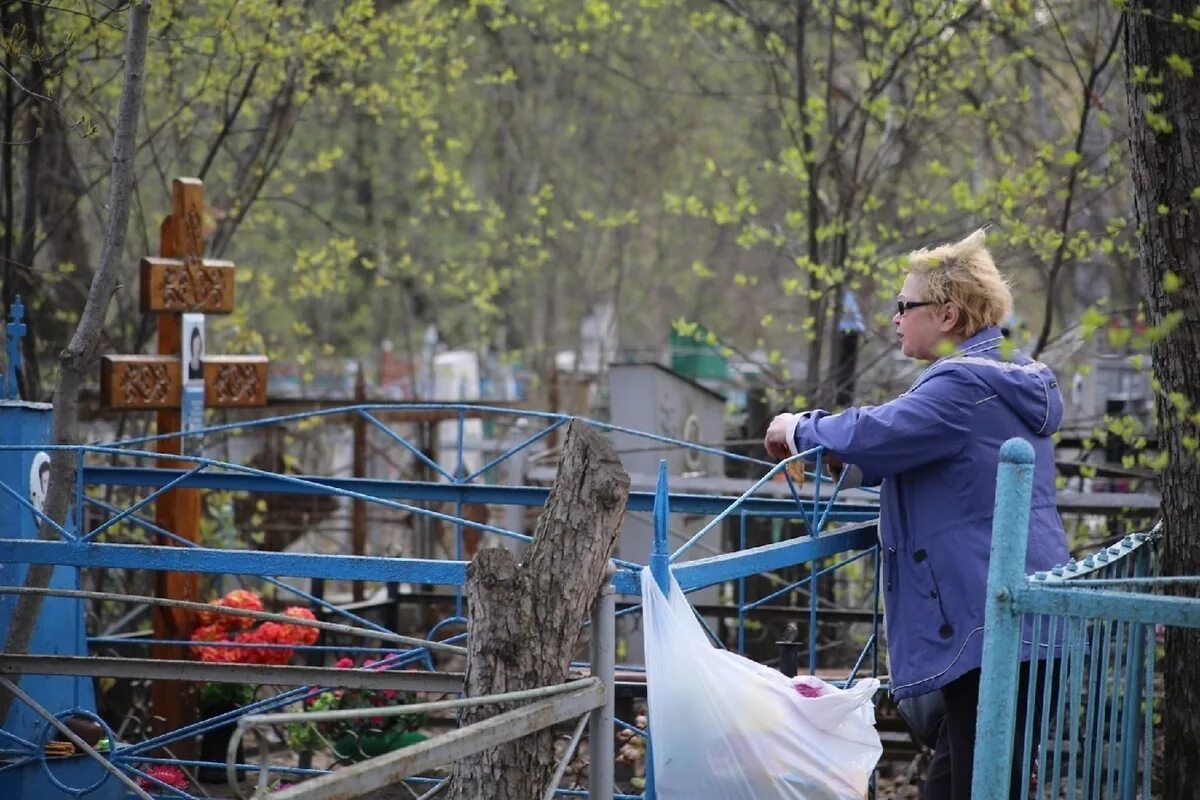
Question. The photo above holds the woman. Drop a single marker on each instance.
(934, 452)
(195, 367)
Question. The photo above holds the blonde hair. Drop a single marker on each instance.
(964, 274)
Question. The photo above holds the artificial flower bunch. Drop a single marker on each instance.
(364, 737)
(237, 636)
(225, 628)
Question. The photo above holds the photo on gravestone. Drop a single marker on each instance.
(192, 396)
(193, 337)
(39, 480)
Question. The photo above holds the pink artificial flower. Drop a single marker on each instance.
(344, 662)
(169, 774)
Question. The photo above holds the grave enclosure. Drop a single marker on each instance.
(166, 474)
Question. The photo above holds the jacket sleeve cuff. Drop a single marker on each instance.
(793, 423)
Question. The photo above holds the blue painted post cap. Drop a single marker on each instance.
(1016, 451)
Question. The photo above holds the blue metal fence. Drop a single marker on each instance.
(82, 544)
(1086, 727)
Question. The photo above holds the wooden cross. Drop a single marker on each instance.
(180, 281)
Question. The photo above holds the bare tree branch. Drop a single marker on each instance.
(1064, 224)
(78, 355)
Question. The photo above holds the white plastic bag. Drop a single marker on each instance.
(727, 728)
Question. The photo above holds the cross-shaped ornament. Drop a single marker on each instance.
(180, 286)
(183, 281)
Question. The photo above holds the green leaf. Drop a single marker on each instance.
(1092, 320)
(1180, 65)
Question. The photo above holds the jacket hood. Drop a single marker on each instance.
(1028, 387)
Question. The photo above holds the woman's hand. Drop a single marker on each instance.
(776, 440)
(778, 447)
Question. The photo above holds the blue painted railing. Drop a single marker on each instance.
(1095, 725)
(87, 549)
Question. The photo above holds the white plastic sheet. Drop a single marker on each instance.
(726, 728)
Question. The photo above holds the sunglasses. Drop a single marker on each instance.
(908, 305)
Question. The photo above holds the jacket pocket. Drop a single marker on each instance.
(927, 583)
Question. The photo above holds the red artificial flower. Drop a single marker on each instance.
(210, 633)
(267, 633)
(238, 598)
(219, 627)
(300, 634)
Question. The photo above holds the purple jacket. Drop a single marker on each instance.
(934, 451)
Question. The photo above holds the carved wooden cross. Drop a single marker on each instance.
(181, 281)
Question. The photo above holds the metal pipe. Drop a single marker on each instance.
(239, 612)
(741, 591)
(600, 734)
(264, 772)
(660, 570)
(133, 509)
(379, 490)
(812, 615)
(416, 708)
(231, 748)
(132, 639)
(407, 445)
(513, 450)
(74, 739)
(738, 503)
(436, 790)
(393, 767)
(311, 598)
(277, 675)
(552, 786)
(660, 565)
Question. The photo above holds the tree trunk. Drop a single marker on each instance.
(526, 618)
(1166, 170)
(79, 354)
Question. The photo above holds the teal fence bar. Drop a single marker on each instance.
(1088, 732)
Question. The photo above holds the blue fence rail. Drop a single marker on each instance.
(82, 543)
(1088, 732)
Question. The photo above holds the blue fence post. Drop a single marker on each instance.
(1130, 741)
(660, 555)
(660, 570)
(1002, 645)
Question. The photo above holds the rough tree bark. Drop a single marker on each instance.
(526, 618)
(79, 356)
(1166, 171)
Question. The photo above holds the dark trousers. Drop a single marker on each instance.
(949, 775)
